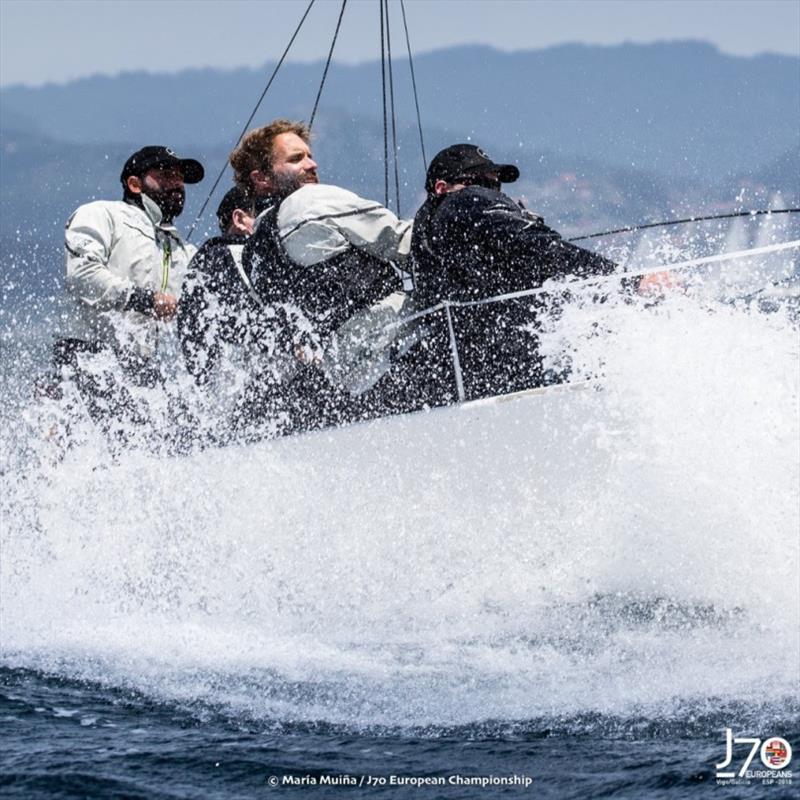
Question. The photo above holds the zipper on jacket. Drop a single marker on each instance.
(166, 261)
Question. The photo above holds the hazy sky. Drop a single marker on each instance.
(59, 40)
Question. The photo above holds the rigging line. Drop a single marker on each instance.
(630, 228)
(391, 104)
(250, 118)
(385, 125)
(327, 65)
(414, 87)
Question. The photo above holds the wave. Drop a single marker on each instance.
(627, 547)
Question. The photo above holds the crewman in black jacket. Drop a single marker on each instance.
(219, 311)
(216, 306)
(472, 242)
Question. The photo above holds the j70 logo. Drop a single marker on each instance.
(775, 752)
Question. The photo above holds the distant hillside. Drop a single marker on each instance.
(679, 108)
(45, 179)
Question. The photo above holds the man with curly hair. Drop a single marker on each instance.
(323, 256)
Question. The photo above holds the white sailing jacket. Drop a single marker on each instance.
(336, 260)
(112, 249)
(319, 221)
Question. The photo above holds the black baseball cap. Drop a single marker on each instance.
(462, 159)
(154, 156)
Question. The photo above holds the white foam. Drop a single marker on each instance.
(558, 553)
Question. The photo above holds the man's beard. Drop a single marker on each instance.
(170, 201)
(284, 185)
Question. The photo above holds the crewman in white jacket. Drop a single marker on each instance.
(125, 261)
(322, 253)
(320, 247)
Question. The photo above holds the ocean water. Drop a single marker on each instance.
(570, 594)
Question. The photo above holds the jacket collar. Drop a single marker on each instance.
(152, 211)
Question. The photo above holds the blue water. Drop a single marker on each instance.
(69, 739)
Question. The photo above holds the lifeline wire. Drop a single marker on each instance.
(446, 305)
(391, 105)
(414, 87)
(695, 262)
(327, 65)
(688, 219)
(385, 123)
(250, 118)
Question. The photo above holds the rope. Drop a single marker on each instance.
(391, 105)
(327, 65)
(414, 86)
(683, 221)
(250, 118)
(385, 124)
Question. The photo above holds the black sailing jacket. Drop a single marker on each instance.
(215, 306)
(477, 243)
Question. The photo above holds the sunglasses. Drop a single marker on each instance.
(488, 180)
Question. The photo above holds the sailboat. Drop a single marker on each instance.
(559, 381)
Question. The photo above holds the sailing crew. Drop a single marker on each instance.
(472, 242)
(125, 261)
(321, 254)
(215, 305)
(227, 333)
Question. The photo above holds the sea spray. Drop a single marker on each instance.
(628, 547)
